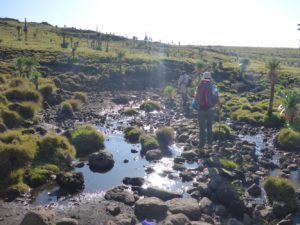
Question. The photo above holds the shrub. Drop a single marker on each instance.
(221, 132)
(229, 164)
(130, 112)
(148, 142)
(17, 82)
(150, 106)
(66, 109)
(24, 109)
(274, 121)
(47, 91)
(16, 151)
(289, 139)
(11, 119)
(279, 189)
(165, 136)
(55, 149)
(132, 134)
(86, 140)
(81, 96)
(170, 91)
(20, 187)
(75, 103)
(22, 94)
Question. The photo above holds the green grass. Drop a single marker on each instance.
(148, 142)
(150, 105)
(132, 134)
(165, 136)
(289, 139)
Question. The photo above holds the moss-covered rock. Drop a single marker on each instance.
(86, 140)
(130, 112)
(165, 136)
(289, 139)
(148, 142)
(150, 106)
(132, 134)
(221, 132)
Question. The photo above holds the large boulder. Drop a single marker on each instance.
(177, 219)
(134, 181)
(38, 217)
(158, 193)
(206, 206)
(101, 161)
(121, 195)
(151, 208)
(187, 206)
(71, 181)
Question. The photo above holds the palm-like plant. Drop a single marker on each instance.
(290, 106)
(35, 79)
(120, 58)
(273, 66)
(29, 63)
(20, 65)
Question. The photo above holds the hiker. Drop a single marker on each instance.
(183, 82)
(206, 98)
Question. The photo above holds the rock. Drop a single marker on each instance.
(151, 208)
(134, 151)
(293, 166)
(120, 195)
(254, 190)
(38, 217)
(220, 210)
(200, 223)
(67, 221)
(79, 165)
(101, 161)
(125, 219)
(155, 154)
(179, 159)
(134, 181)
(206, 206)
(71, 181)
(113, 209)
(189, 155)
(182, 138)
(281, 209)
(187, 206)
(158, 193)
(177, 219)
(187, 176)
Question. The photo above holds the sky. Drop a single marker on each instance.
(257, 23)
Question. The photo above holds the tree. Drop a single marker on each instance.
(35, 79)
(20, 65)
(120, 58)
(25, 29)
(29, 64)
(289, 107)
(74, 48)
(273, 66)
(19, 32)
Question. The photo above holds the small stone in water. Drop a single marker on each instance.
(126, 161)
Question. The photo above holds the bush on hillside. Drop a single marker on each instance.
(81, 96)
(75, 103)
(86, 140)
(289, 139)
(24, 109)
(165, 136)
(150, 106)
(55, 149)
(22, 94)
(221, 132)
(47, 91)
(66, 109)
(148, 142)
(11, 119)
(132, 134)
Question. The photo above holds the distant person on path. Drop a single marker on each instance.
(206, 98)
(183, 83)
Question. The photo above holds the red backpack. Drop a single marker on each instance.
(204, 96)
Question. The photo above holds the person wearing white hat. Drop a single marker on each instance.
(206, 98)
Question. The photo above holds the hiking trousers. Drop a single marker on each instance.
(205, 120)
